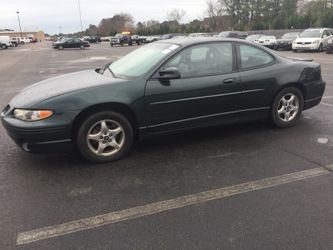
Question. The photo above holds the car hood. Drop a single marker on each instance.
(307, 39)
(285, 40)
(60, 85)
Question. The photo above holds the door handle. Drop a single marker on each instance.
(229, 81)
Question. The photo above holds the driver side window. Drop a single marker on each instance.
(203, 60)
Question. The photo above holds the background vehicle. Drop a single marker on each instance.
(198, 35)
(253, 38)
(232, 34)
(15, 41)
(166, 36)
(329, 48)
(70, 43)
(160, 88)
(121, 39)
(150, 39)
(25, 40)
(267, 41)
(138, 39)
(5, 42)
(312, 39)
(286, 41)
(91, 39)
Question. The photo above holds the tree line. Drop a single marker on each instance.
(222, 15)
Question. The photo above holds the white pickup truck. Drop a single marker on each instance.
(5, 42)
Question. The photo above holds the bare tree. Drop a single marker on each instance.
(176, 15)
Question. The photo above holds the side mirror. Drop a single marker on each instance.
(169, 73)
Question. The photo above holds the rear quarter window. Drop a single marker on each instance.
(252, 57)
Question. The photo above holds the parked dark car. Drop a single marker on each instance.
(286, 41)
(162, 87)
(92, 39)
(329, 48)
(232, 34)
(70, 43)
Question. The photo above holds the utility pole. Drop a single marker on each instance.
(18, 18)
(80, 15)
(59, 30)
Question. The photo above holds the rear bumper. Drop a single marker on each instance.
(317, 90)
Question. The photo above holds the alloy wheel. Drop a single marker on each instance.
(288, 107)
(105, 138)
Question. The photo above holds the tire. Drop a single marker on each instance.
(295, 50)
(60, 47)
(4, 46)
(82, 47)
(320, 48)
(112, 145)
(121, 44)
(283, 107)
(111, 45)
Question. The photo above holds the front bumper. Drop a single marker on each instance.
(310, 47)
(283, 45)
(37, 136)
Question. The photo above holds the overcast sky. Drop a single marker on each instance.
(48, 15)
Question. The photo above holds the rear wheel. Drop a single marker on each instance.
(287, 107)
(105, 136)
(82, 47)
(60, 47)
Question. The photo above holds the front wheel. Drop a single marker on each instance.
(60, 47)
(82, 47)
(320, 48)
(287, 107)
(4, 46)
(105, 136)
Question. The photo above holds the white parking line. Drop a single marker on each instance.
(158, 207)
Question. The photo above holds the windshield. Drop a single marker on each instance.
(140, 61)
(310, 33)
(290, 36)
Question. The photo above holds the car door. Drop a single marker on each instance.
(207, 91)
(258, 80)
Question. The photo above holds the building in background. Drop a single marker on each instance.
(39, 35)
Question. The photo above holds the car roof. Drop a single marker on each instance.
(198, 40)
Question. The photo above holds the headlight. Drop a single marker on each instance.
(316, 41)
(32, 115)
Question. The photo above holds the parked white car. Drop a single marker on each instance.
(25, 40)
(312, 39)
(267, 41)
(5, 42)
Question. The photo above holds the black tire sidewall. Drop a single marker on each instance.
(81, 136)
(275, 118)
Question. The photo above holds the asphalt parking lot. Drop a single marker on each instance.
(246, 186)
